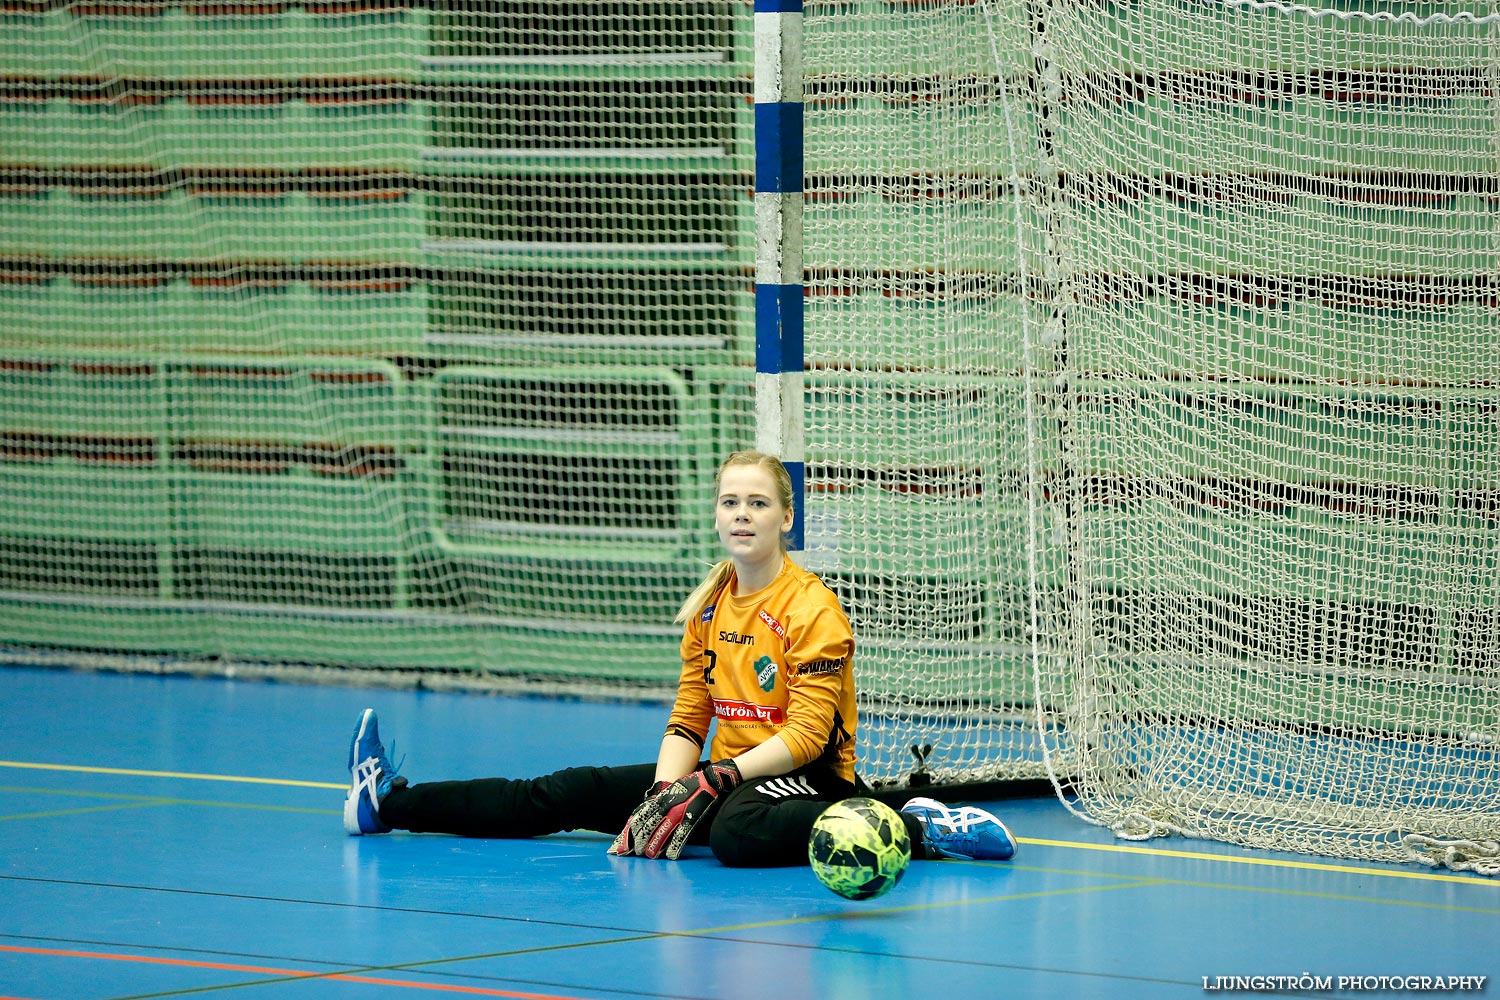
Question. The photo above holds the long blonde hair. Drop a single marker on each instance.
(719, 574)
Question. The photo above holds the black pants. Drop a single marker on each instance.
(764, 823)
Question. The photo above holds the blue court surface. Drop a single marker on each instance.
(170, 836)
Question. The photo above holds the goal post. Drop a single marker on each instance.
(1151, 421)
(779, 344)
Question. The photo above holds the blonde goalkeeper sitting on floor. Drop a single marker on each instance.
(767, 654)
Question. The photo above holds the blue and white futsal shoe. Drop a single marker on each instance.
(371, 778)
(967, 833)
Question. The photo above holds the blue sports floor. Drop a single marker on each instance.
(172, 836)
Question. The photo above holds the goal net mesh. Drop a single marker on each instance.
(367, 333)
(1154, 400)
(916, 438)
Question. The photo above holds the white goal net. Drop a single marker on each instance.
(1155, 394)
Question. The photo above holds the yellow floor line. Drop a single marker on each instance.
(1125, 882)
(1038, 842)
(170, 774)
(1262, 862)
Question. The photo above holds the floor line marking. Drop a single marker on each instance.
(140, 801)
(1261, 862)
(240, 779)
(54, 813)
(1039, 842)
(295, 974)
(1127, 882)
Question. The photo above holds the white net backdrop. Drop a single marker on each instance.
(917, 139)
(1179, 319)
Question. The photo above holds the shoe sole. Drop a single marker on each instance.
(351, 799)
(351, 815)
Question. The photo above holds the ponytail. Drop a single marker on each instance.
(704, 592)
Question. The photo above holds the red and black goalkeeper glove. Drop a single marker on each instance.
(624, 844)
(661, 826)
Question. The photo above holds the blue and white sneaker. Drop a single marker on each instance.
(371, 777)
(966, 833)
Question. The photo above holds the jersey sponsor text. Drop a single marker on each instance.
(744, 711)
(832, 666)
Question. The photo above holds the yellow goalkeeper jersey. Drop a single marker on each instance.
(780, 660)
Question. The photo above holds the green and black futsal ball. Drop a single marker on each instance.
(859, 848)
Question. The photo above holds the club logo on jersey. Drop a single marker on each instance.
(765, 673)
(708, 613)
(773, 625)
(744, 711)
(735, 639)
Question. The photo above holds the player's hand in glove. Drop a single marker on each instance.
(662, 824)
(625, 845)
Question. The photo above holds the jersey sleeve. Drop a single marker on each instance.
(693, 711)
(819, 657)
